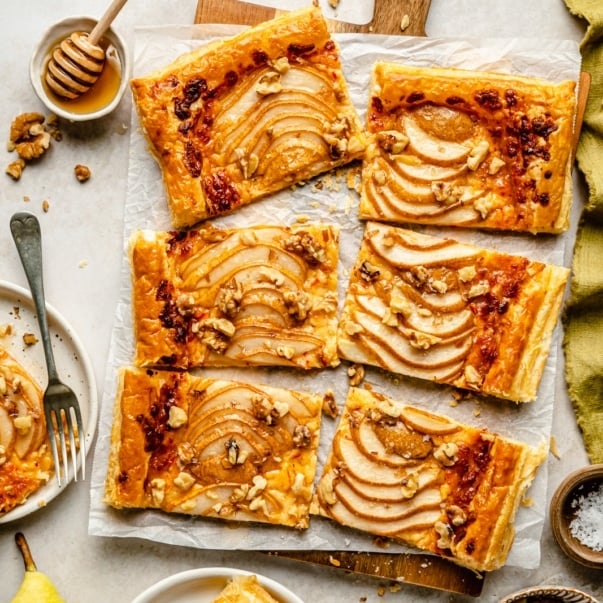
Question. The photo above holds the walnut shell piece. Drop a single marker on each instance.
(82, 172)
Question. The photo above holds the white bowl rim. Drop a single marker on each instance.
(71, 24)
(211, 572)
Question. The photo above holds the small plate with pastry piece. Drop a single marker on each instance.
(217, 585)
(27, 466)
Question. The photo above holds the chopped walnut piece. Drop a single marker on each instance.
(269, 83)
(82, 172)
(20, 126)
(446, 453)
(307, 247)
(229, 298)
(356, 374)
(15, 168)
(369, 272)
(29, 339)
(298, 304)
(302, 436)
(445, 534)
(392, 141)
(329, 404)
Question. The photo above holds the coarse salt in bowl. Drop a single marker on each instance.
(576, 514)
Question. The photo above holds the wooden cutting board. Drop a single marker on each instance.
(387, 18)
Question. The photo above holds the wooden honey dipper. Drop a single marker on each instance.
(77, 62)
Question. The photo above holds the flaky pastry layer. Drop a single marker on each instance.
(449, 312)
(257, 296)
(241, 118)
(465, 148)
(425, 480)
(198, 446)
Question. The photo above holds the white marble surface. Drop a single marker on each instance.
(83, 247)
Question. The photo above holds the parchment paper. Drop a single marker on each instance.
(335, 203)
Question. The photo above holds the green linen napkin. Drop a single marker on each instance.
(583, 320)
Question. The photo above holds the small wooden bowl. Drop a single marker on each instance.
(549, 593)
(563, 510)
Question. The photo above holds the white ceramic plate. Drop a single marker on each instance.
(73, 366)
(204, 585)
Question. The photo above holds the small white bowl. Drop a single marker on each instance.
(50, 39)
(203, 585)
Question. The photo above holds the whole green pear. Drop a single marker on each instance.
(36, 586)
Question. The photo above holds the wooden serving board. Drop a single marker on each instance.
(387, 16)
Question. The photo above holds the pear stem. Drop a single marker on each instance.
(30, 565)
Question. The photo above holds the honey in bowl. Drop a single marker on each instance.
(101, 93)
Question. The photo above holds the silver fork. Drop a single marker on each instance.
(60, 402)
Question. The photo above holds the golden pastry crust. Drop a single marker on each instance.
(25, 459)
(216, 448)
(244, 589)
(257, 296)
(452, 313)
(236, 120)
(464, 148)
(425, 480)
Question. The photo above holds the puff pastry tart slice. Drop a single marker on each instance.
(463, 148)
(244, 589)
(224, 449)
(25, 459)
(425, 480)
(449, 312)
(257, 296)
(238, 119)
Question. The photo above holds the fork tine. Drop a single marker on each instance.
(61, 417)
(50, 427)
(69, 413)
(82, 440)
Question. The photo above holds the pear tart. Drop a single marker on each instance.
(257, 296)
(462, 148)
(223, 449)
(25, 459)
(453, 313)
(241, 118)
(425, 480)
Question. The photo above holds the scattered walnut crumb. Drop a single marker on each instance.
(329, 404)
(6, 329)
(82, 172)
(553, 448)
(29, 339)
(356, 374)
(26, 198)
(45, 206)
(527, 502)
(333, 3)
(334, 561)
(15, 168)
(381, 591)
(405, 22)
(394, 588)
(83, 264)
